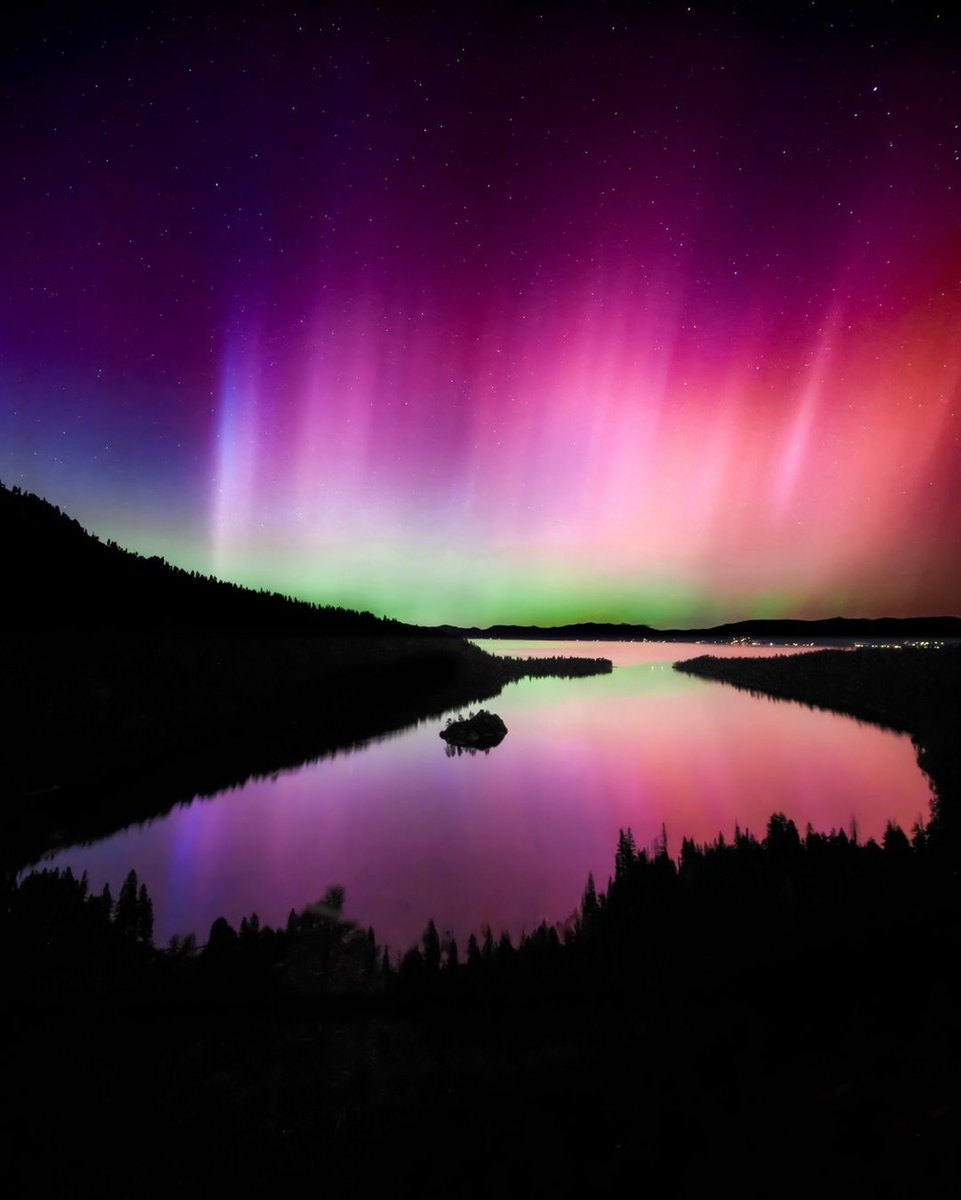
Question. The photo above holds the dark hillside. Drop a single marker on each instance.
(60, 576)
(128, 684)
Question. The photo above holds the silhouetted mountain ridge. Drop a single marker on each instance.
(127, 683)
(875, 628)
(62, 576)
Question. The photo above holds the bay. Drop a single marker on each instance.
(507, 838)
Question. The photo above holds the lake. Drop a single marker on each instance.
(507, 837)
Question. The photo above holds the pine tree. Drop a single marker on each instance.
(626, 854)
(431, 949)
(896, 842)
(222, 939)
(505, 947)
(589, 906)
(106, 902)
(126, 914)
(144, 915)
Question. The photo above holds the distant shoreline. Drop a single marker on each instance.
(832, 629)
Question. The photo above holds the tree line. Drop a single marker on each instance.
(790, 995)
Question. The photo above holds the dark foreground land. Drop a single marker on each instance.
(127, 683)
(774, 1015)
(779, 1015)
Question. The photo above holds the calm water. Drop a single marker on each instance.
(508, 837)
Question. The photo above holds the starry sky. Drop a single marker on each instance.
(495, 312)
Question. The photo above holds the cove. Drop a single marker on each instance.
(507, 838)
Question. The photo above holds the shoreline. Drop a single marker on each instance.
(106, 732)
(910, 690)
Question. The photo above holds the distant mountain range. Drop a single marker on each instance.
(60, 576)
(832, 628)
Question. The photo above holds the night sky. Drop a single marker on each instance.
(495, 312)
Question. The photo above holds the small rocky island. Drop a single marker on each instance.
(477, 731)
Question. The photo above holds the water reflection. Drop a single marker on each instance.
(508, 837)
(453, 751)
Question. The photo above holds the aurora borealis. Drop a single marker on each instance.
(501, 312)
